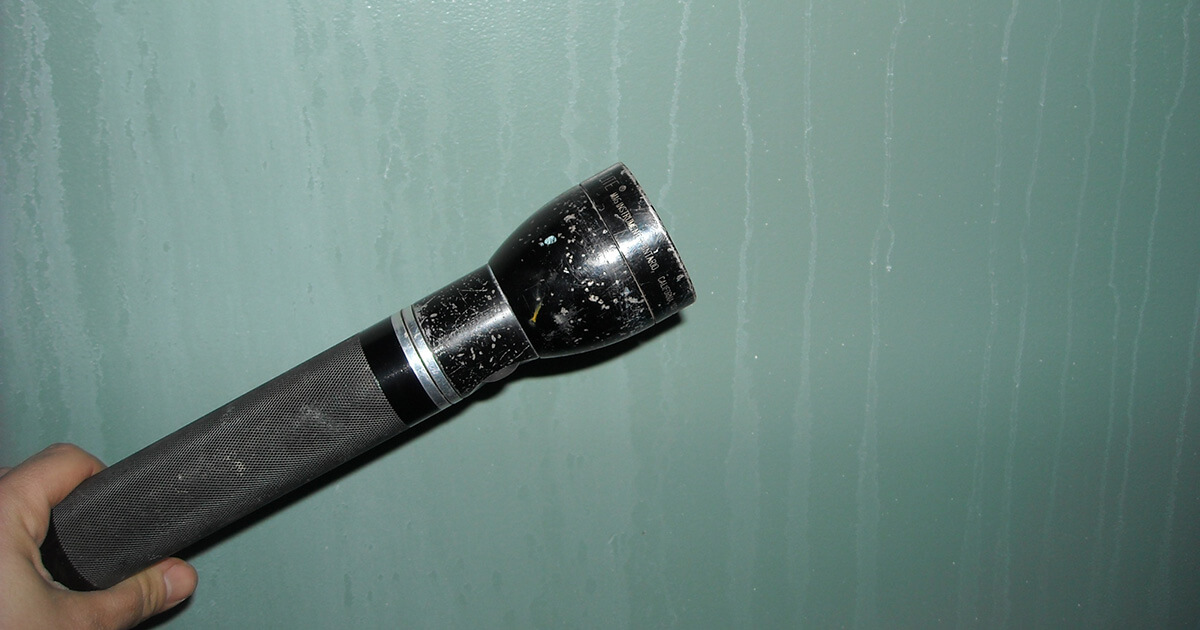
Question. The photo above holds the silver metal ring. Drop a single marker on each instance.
(440, 380)
(417, 365)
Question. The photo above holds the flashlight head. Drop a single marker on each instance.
(592, 267)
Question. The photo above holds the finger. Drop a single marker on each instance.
(4, 469)
(137, 598)
(28, 491)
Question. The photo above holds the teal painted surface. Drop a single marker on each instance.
(940, 373)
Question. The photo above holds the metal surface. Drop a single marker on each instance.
(426, 367)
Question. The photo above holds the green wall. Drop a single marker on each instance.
(940, 372)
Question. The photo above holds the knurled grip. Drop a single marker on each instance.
(219, 468)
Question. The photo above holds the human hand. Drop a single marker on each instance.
(29, 597)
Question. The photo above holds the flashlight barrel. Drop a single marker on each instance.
(283, 434)
(230, 462)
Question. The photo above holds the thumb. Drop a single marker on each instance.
(139, 597)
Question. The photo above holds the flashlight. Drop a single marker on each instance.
(590, 268)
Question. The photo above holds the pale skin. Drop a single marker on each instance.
(29, 597)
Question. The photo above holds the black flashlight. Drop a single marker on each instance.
(592, 267)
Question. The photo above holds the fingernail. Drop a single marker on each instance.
(175, 579)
